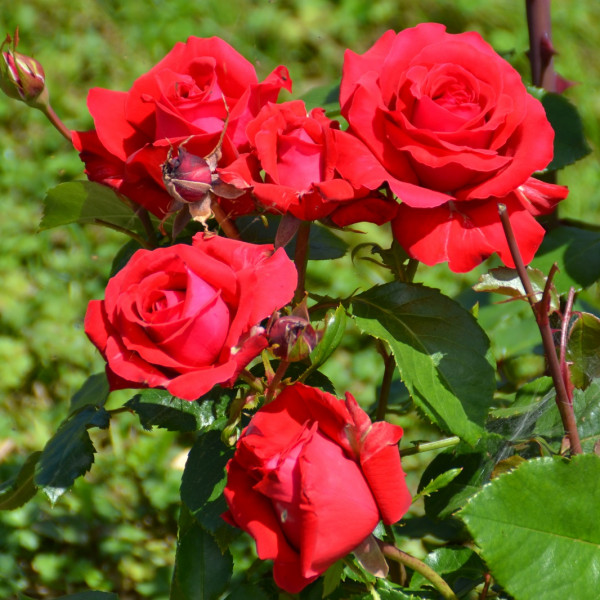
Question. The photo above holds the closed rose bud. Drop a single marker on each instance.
(22, 77)
(292, 337)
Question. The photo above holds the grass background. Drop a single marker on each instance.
(116, 530)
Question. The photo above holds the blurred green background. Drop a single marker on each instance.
(116, 530)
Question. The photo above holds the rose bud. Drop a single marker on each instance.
(22, 77)
(310, 479)
(292, 337)
(193, 181)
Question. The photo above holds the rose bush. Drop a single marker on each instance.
(186, 317)
(188, 96)
(310, 479)
(299, 155)
(449, 125)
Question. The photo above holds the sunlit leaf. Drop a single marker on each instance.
(538, 530)
(440, 351)
(70, 452)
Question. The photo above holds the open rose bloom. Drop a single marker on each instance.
(310, 480)
(191, 95)
(186, 318)
(450, 127)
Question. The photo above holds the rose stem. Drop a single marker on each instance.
(487, 579)
(142, 214)
(564, 330)
(255, 383)
(390, 551)
(225, 223)
(428, 446)
(138, 238)
(279, 373)
(55, 120)
(386, 382)
(541, 51)
(565, 408)
(301, 259)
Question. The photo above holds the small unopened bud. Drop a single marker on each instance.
(292, 337)
(22, 77)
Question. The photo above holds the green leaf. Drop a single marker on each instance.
(460, 567)
(335, 327)
(70, 452)
(440, 351)
(202, 571)
(586, 404)
(20, 489)
(577, 251)
(323, 244)
(475, 467)
(439, 482)
(93, 392)
(203, 481)
(323, 96)
(159, 408)
(91, 595)
(570, 144)
(530, 397)
(538, 528)
(505, 281)
(332, 577)
(85, 202)
(583, 350)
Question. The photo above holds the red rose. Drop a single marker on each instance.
(449, 125)
(186, 317)
(310, 479)
(298, 153)
(188, 95)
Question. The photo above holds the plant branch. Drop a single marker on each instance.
(301, 259)
(541, 51)
(564, 334)
(142, 214)
(390, 551)
(428, 446)
(541, 316)
(225, 223)
(386, 384)
(279, 373)
(55, 120)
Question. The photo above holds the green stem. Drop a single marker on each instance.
(144, 217)
(386, 384)
(301, 259)
(254, 382)
(390, 551)
(565, 407)
(429, 446)
(274, 383)
(138, 238)
(411, 269)
(55, 120)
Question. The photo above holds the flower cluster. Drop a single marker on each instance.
(440, 131)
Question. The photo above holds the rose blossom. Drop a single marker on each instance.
(299, 155)
(185, 317)
(449, 125)
(310, 479)
(187, 97)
